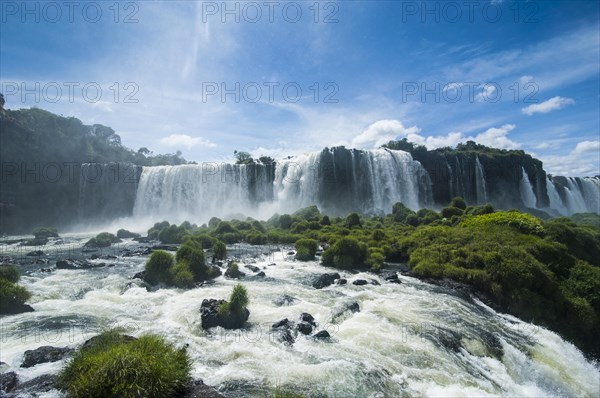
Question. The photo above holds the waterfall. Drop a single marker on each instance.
(480, 182)
(526, 191)
(556, 202)
(200, 191)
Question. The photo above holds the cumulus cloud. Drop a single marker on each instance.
(550, 105)
(586, 146)
(186, 141)
(496, 137)
(381, 132)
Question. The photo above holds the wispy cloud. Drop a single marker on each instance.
(547, 106)
(185, 141)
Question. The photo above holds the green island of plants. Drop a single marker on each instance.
(12, 296)
(113, 366)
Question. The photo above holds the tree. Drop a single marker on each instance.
(243, 158)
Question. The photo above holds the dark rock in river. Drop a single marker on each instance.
(341, 281)
(8, 381)
(77, 264)
(284, 300)
(125, 234)
(323, 334)
(209, 314)
(17, 308)
(284, 331)
(374, 282)
(390, 276)
(252, 268)
(308, 318)
(35, 242)
(169, 248)
(325, 280)
(34, 387)
(197, 389)
(143, 239)
(344, 311)
(359, 282)
(44, 354)
(36, 253)
(304, 328)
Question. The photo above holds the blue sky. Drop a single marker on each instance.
(527, 73)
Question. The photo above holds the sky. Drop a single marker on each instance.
(279, 78)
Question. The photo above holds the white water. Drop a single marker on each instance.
(480, 182)
(198, 192)
(390, 348)
(526, 191)
(555, 201)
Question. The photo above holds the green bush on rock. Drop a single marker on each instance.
(345, 253)
(158, 267)
(103, 239)
(306, 249)
(115, 367)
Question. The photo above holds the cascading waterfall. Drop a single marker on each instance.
(556, 202)
(337, 180)
(526, 191)
(480, 182)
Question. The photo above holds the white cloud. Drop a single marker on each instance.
(381, 132)
(496, 137)
(586, 146)
(186, 141)
(487, 93)
(526, 79)
(550, 105)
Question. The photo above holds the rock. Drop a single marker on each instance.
(8, 381)
(341, 281)
(304, 328)
(46, 269)
(325, 280)
(143, 239)
(169, 248)
(323, 334)
(140, 275)
(343, 312)
(374, 282)
(214, 271)
(125, 234)
(359, 282)
(36, 253)
(210, 317)
(252, 268)
(17, 309)
(308, 318)
(44, 354)
(197, 389)
(231, 272)
(284, 299)
(77, 264)
(291, 253)
(34, 387)
(271, 264)
(35, 242)
(206, 283)
(284, 330)
(390, 276)
(261, 274)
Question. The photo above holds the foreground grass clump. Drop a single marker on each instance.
(12, 296)
(115, 367)
(306, 249)
(523, 222)
(238, 301)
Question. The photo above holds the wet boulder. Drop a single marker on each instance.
(8, 381)
(34, 387)
(304, 328)
(252, 268)
(341, 281)
(390, 276)
(210, 316)
(284, 331)
(77, 264)
(325, 280)
(284, 299)
(323, 334)
(44, 354)
(197, 389)
(344, 311)
(359, 282)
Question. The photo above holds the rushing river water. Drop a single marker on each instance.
(411, 339)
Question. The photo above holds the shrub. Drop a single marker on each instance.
(310, 213)
(158, 267)
(523, 222)
(114, 367)
(182, 276)
(377, 235)
(45, 232)
(325, 221)
(172, 234)
(353, 220)
(194, 260)
(400, 212)
(412, 219)
(479, 210)
(449, 212)
(219, 250)
(238, 299)
(11, 295)
(256, 238)
(125, 234)
(345, 253)
(458, 202)
(306, 249)
(155, 230)
(376, 258)
(285, 221)
(427, 216)
(225, 227)
(233, 270)
(103, 239)
(298, 227)
(213, 222)
(9, 273)
(202, 241)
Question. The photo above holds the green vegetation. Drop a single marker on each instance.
(306, 249)
(114, 366)
(238, 301)
(345, 253)
(158, 267)
(219, 250)
(12, 296)
(45, 232)
(592, 219)
(103, 239)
